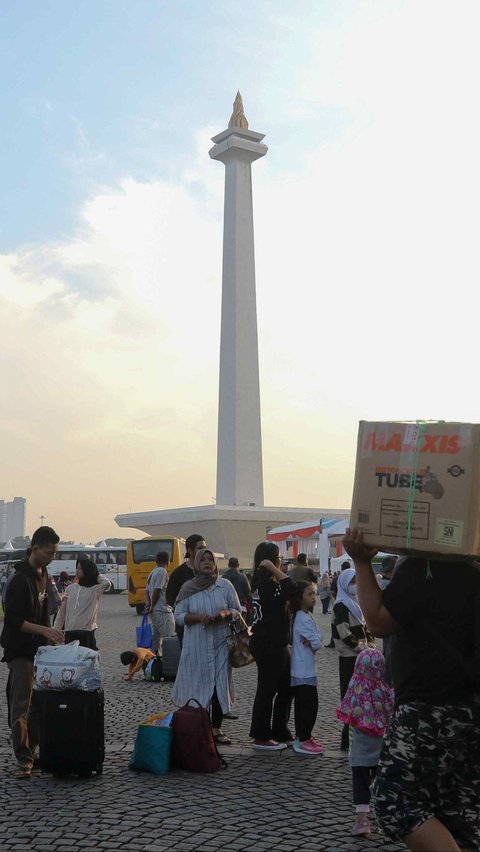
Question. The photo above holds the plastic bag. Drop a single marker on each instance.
(144, 633)
(69, 666)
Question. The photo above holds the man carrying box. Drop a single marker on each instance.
(427, 788)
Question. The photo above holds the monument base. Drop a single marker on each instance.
(231, 530)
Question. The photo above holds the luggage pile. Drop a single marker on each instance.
(70, 698)
(179, 740)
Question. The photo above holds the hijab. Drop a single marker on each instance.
(368, 701)
(199, 583)
(344, 596)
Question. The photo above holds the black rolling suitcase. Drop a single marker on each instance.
(72, 738)
(171, 651)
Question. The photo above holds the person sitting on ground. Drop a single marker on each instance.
(205, 607)
(136, 660)
(78, 611)
(302, 571)
(427, 787)
(366, 707)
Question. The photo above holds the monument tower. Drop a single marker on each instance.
(239, 447)
(239, 519)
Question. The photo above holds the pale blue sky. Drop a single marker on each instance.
(95, 90)
(366, 224)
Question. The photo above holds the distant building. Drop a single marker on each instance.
(3, 521)
(12, 518)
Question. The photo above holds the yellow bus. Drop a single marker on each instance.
(141, 555)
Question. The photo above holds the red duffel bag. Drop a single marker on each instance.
(193, 746)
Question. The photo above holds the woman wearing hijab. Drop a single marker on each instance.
(349, 633)
(205, 607)
(78, 611)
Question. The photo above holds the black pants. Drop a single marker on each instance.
(362, 777)
(85, 637)
(216, 711)
(325, 605)
(179, 631)
(346, 666)
(273, 699)
(305, 709)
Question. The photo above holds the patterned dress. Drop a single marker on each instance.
(204, 663)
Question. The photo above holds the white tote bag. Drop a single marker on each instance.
(67, 667)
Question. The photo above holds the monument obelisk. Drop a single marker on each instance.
(238, 519)
(239, 447)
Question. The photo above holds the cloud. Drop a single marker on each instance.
(367, 259)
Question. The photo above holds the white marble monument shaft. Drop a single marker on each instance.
(239, 450)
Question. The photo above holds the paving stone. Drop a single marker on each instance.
(252, 805)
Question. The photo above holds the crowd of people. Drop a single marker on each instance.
(413, 742)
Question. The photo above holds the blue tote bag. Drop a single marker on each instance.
(144, 633)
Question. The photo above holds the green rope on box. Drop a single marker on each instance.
(411, 494)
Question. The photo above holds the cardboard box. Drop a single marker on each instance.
(417, 487)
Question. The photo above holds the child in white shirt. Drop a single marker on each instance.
(306, 640)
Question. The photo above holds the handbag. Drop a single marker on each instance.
(144, 633)
(239, 644)
(151, 752)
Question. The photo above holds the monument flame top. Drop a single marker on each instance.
(237, 119)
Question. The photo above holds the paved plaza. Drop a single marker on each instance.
(260, 802)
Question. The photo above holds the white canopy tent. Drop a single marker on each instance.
(316, 538)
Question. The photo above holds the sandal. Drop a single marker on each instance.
(22, 771)
(222, 739)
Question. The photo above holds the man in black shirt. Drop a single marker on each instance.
(238, 581)
(26, 627)
(183, 573)
(428, 782)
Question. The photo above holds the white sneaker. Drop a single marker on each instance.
(268, 745)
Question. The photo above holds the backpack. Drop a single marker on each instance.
(193, 746)
(153, 670)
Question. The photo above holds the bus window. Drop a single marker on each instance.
(121, 558)
(146, 551)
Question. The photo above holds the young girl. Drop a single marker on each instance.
(367, 707)
(306, 640)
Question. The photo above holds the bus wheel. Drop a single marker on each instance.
(140, 608)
